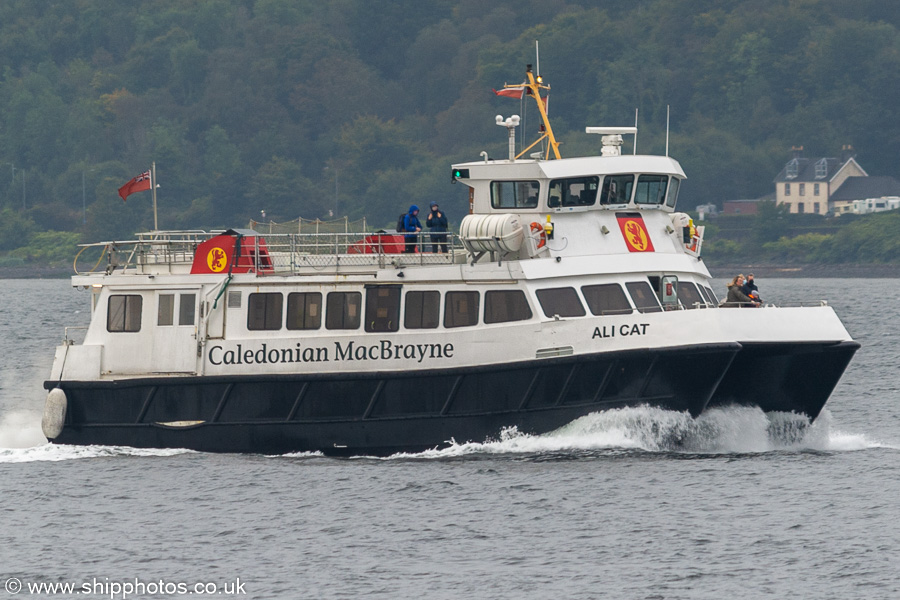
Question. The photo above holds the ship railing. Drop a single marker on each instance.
(69, 340)
(273, 253)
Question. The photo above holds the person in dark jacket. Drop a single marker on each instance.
(737, 298)
(412, 226)
(749, 288)
(437, 223)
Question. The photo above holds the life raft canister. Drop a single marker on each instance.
(542, 238)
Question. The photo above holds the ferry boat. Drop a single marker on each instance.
(573, 286)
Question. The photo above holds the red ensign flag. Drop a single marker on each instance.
(138, 184)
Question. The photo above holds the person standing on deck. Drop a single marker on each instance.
(437, 223)
(737, 298)
(412, 226)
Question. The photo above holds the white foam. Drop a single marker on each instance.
(21, 429)
(54, 453)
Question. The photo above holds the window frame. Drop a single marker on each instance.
(656, 307)
(589, 295)
(517, 203)
(549, 292)
(650, 179)
(565, 186)
(268, 311)
(421, 323)
(127, 315)
(390, 302)
(293, 298)
(346, 304)
(503, 296)
(607, 182)
(450, 321)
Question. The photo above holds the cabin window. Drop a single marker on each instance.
(688, 295)
(651, 189)
(343, 310)
(616, 189)
(461, 309)
(606, 299)
(382, 308)
(505, 306)
(423, 310)
(123, 313)
(643, 297)
(703, 293)
(515, 194)
(562, 302)
(304, 310)
(575, 191)
(672, 197)
(264, 311)
(712, 295)
(165, 310)
(187, 305)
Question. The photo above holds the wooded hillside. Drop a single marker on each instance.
(301, 107)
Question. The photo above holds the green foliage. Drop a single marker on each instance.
(300, 107)
(50, 248)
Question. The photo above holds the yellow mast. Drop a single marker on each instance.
(534, 86)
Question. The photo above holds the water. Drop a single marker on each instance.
(638, 503)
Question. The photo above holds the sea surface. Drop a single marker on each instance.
(747, 506)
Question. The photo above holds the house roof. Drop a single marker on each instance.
(810, 169)
(860, 188)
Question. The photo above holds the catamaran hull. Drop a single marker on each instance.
(387, 412)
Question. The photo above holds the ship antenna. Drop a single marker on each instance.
(634, 149)
(667, 129)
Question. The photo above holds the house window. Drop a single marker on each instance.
(802, 187)
(792, 169)
(304, 310)
(561, 302)
(815, 189)
(787, 189)
(461, 309)
(422, 310)
(505, 306)
(816, 207)
(800, 207)
(383, 308)
(264, 311)
(343, 310)
(123, 313)
(822, 169)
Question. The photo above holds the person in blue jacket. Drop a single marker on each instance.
(412, 226)
(437, 223)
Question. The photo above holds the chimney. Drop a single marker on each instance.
(847, 153)
(796, 151)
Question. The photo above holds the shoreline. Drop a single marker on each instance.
(769, 271)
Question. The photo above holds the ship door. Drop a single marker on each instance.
(175, 335)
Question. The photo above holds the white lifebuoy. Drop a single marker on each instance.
(54, 413)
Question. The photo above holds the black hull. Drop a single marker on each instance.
(384, 413)
(795, 377)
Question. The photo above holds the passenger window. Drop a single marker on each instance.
(577, 191)
(643, 296)
(422, 310)
(461, 309)
(123, 313)
(343, 310)
(651, 189)
(165, 310)
(505, 306)
(304, 310)
(712, 295)
(515, 194)
(264, 311)
(563, 302)
(689, 296)
(672, 198)
(703, 293)
(383, 308)
(186, 307)
(606, 299)
(616, 189)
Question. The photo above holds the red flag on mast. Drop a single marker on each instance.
(138, 184)
(512, 92)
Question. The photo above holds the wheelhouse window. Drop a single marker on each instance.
(502, 306)
(423, 310)
(643, 296)
(264, 311)
(651, 189)
(575, 191)
(343, 310)
(616, 189)
(688, 295)
(304, 310)
(606, 299)
(712, 295)
(561, 302)
(515, 194)
(383, 308)
(672, 196)
(187, 305)
(165, 310)
(123, 313)
(461, 309)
